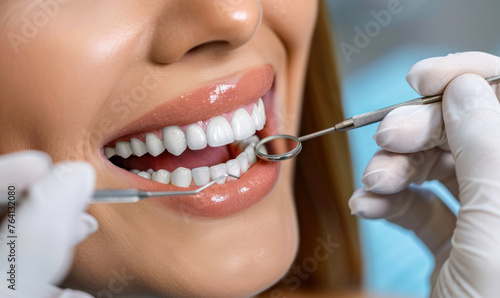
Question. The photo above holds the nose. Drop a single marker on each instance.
(215, 25)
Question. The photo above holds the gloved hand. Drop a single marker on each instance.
(458, 144)
(49, 219)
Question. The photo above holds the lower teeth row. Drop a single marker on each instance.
(184, 177)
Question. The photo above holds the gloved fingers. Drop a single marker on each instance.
(431, 76)
(19, 169)
(415, 208)
(48, 219)
(412, 129)
(389, 172)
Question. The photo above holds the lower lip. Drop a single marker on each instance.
(226, 199)
(220, 200)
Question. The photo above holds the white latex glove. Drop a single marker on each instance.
(459, 145)
(50, 220)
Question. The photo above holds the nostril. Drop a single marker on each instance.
(216, 44)
(220, 26)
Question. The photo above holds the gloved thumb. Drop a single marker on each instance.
(471, 113)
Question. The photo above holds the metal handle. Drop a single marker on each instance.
(378, 115)
(106, 193)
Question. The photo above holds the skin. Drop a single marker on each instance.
(58, 85)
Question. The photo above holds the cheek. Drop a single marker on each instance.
(59, 72)
(293, 20)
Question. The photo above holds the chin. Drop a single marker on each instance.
(251, 263)
(245, 270)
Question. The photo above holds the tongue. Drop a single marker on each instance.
(189, 159)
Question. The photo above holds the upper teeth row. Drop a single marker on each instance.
(219, 132)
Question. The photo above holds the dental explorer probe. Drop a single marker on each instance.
(134, 195)
(348, 124)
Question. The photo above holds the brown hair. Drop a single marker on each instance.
(323, 176)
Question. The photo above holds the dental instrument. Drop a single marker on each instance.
(134, 195)
(348, 124)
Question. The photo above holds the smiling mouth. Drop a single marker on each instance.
(196, 137)
(196, 153)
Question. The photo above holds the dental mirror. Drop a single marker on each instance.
(282, 147)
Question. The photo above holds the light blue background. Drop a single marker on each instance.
(395, 261)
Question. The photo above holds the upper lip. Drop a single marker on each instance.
(216, 98)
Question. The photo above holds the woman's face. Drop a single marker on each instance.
(78, 76)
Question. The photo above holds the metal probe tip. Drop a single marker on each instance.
(134, 195)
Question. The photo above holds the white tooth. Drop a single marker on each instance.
(262, 110)
(181, 177)
(219, 132)
(154, 144)
(263, 149)
(233, 167)
(144, 175)
(196, 138)
(253, 140)
(243, 161)
(150, 171)
(242, 124)
(174, 139)
(109, 152)
(250, 141)
(162, 176)
(123, 149)
(135, 171)
(250, 151)
(217, 171)
(138, 147)
(257, 118)
(201, 175)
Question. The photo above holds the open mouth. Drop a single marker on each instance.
(194, 154)
(197, 137)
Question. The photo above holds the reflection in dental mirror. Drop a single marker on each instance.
(278, 148)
